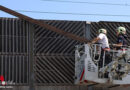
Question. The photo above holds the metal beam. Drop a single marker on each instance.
(43, 24)
(31, 58)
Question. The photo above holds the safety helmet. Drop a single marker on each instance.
(102, 31)
(121, 30)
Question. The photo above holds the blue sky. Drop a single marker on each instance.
(71, 11)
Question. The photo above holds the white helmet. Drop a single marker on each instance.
(121, 30)
(102, 31)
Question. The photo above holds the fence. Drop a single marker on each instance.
(14, 51)
(51, 56)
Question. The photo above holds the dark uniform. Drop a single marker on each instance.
(122, 38)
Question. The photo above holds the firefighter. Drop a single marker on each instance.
(121, 39)
(103, 40)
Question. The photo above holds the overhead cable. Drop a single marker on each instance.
(125, 4)
(67, 13)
